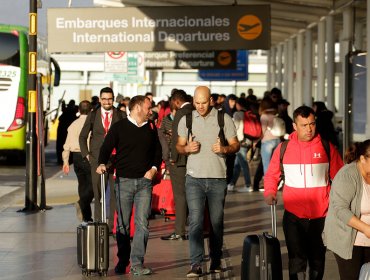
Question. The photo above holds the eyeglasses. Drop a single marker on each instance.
(107, 99)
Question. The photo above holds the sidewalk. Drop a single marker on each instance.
(42, 245)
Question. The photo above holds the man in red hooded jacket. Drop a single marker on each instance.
(305, 194)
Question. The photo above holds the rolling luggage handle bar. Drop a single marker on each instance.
(102, 189)
(273, 219)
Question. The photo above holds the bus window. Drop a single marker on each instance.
(9, 49)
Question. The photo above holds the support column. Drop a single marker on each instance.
(273, 67)
(286, 66)
(153, 79)
(367, 69)
(359, 36)
(279, 74)
(269, 72)
(321, 61)
(346, 40)
(290, 93)
(298, 98)
(330, 64)
(307, 96)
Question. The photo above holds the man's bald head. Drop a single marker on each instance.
(202, 91)
(202, 96)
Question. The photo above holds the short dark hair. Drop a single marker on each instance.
(179, 94)
(106, 90)
(148, 93)
(84, 107)
(136, 100)
(277, 92)
(303, 111)
(242, 102)
(232, 97)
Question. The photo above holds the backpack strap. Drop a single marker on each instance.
(92, 120)
(221, 119)
(283, 147)
(189, 123)
(221, 124)
(326, 146)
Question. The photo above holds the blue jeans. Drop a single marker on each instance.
(241, 164)
(267, 148)
(129, 192)
(198, 190)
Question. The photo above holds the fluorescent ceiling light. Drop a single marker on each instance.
(108, 3)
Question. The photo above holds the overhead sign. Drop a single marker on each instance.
(189, 60)
(238, 74)
(134, 71)
(159, 28)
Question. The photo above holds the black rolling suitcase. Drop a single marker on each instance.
(261, 257)
(93, 243)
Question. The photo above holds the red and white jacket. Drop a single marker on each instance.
(306, 188)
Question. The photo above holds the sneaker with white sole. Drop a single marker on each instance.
(140, 270)
(230, 187)
(195, 271)
(245, 189)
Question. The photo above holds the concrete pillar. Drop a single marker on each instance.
(359, 36)
(321, 61)
(273, 67)
(269, 72)
(307, 94)
(330, 64)
(290, 93)
(298, 97)
(368, 70)
(286, 66)
(153, 79)
(345, 47)
(279, 74)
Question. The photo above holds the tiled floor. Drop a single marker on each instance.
(42, 245)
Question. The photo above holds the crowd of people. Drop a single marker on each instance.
(206, 142)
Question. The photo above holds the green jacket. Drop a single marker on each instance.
(345, 202)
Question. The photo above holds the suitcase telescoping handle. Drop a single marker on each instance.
(103, 207)
(273, 219)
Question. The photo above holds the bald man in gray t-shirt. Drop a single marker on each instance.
(206, 176)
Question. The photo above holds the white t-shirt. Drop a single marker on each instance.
(361, 239)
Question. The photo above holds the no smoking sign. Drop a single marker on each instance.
(115, 62)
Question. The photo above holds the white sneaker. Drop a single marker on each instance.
(245, 189)
(230, 187)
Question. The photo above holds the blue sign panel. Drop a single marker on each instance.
(238, 74)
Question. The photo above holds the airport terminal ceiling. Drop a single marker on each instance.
(288, 17)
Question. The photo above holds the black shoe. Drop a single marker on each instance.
(215, 267)
(195, 271)
(120, 268)
(174, 236)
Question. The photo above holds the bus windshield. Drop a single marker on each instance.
(9, 49)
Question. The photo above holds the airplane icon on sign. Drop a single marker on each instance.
(246, 27)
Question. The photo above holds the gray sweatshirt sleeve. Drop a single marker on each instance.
(343, 193)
